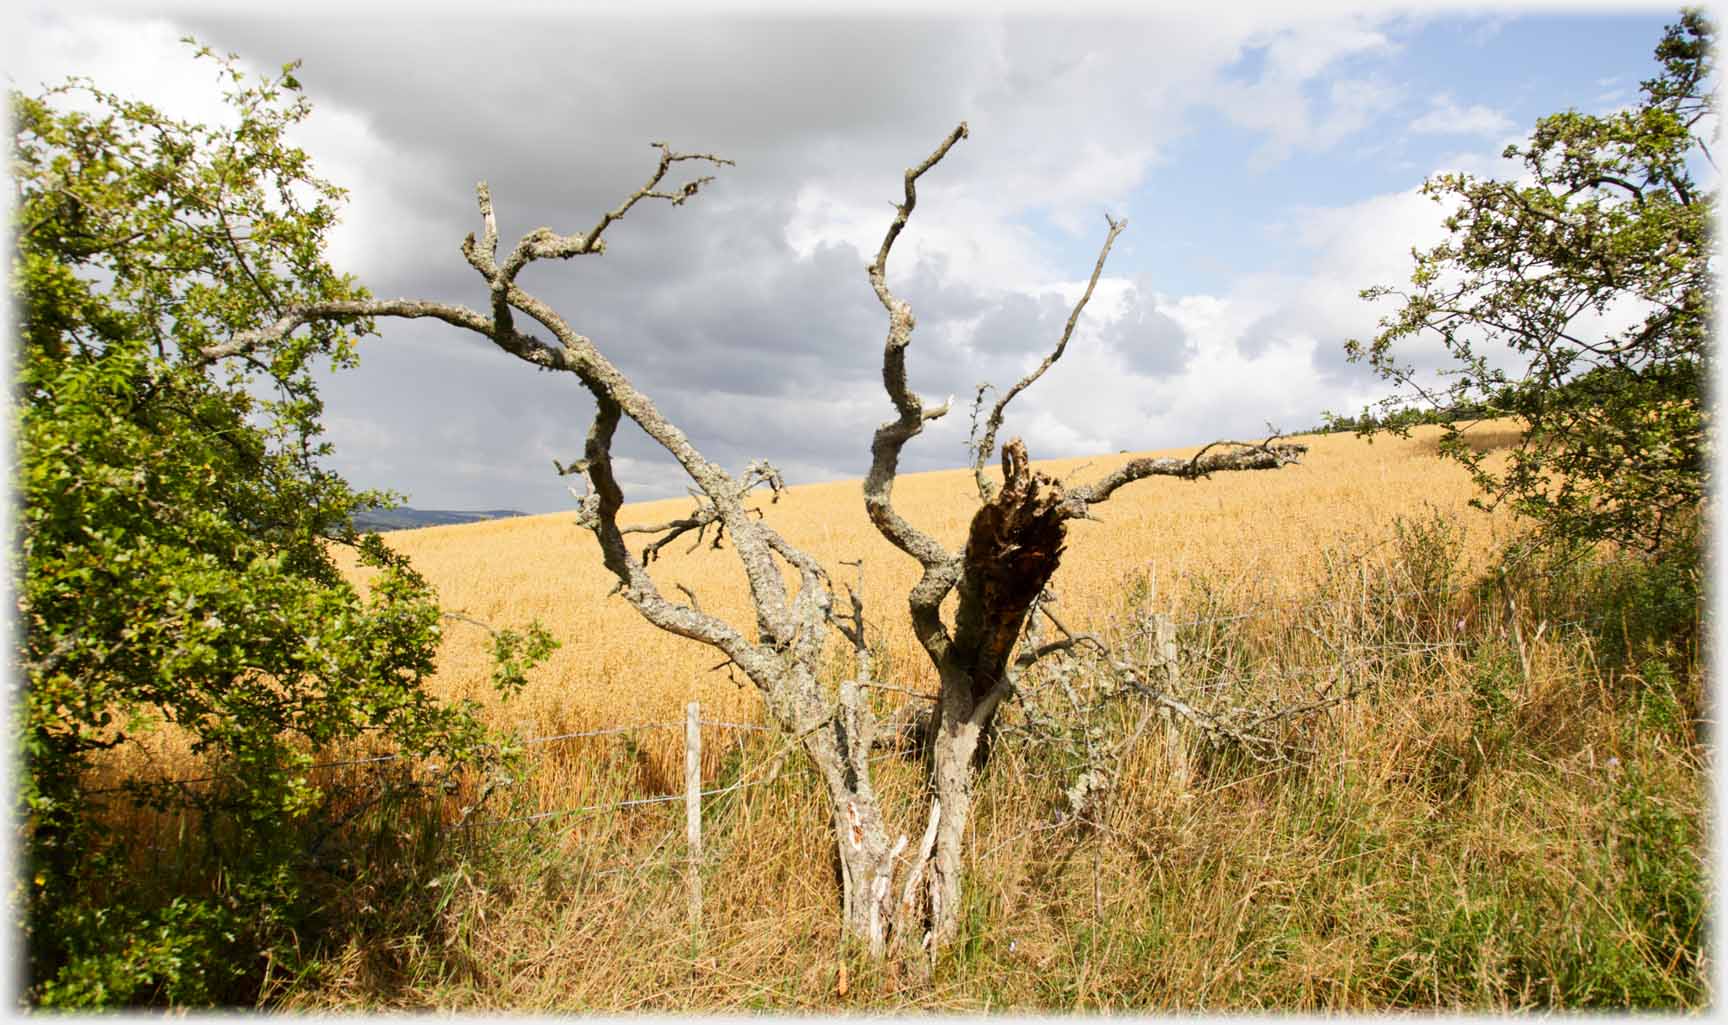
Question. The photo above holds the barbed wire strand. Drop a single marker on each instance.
(630, 803)
(526, 742)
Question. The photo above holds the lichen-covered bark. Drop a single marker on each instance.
(867, 857)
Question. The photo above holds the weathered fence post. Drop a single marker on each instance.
(693, 807)
(1164, 648)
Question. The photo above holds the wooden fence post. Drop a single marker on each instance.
(1164, 644)
(693, 807)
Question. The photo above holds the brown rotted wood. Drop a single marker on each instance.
(1014, 546)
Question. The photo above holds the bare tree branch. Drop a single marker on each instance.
(855, 631)
(614, 395)
(522, 346)
(986, 446)
(1242, 456)
(892, 436)
(545, 244)
(758, 474)
(699, 521)
(638, 586)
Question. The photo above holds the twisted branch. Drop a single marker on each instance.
(1242, 456)
(892, 436)
(986, 447)
(759, 473)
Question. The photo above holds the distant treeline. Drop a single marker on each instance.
(1502, 403)
(404, 518)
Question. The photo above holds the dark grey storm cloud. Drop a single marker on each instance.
(1021, 323)
(705, 306)
(558, 113)
(751, 348)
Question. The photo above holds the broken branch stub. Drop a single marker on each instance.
(1012, 549)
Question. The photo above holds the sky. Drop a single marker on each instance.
(1268, 162)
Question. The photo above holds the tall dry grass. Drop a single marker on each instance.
(1502, 819)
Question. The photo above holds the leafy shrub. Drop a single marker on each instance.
(175, 575)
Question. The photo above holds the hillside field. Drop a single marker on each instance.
(1263, 529)
(1507, 812)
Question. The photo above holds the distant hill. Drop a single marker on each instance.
(407, 519)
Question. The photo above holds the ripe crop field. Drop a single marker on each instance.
(1255, 536)
(614, 668)
(1496, 820)
(1259, 532)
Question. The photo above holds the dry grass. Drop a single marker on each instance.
(1478, 830)
(1467, 835)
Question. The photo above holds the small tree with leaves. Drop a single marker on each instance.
(1579, 299)
(173, 568)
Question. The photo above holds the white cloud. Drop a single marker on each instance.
(975, 242)
(137, 59)
(147, 60)
(1269, 349)
(1446, 117)
(1489, 28)
(1277, 102)
(1354, 104)
(1485, 163)
(1371, 237)
(1307, 50)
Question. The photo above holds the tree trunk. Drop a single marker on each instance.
(840, 751)
(1012, 549)
(953, 774)
(866, 871)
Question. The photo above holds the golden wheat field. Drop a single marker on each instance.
(615, 669)
(1480, 775)
(1262, 533)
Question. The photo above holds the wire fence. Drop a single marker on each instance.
(628, 803)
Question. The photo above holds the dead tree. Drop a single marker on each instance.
(892, 889)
